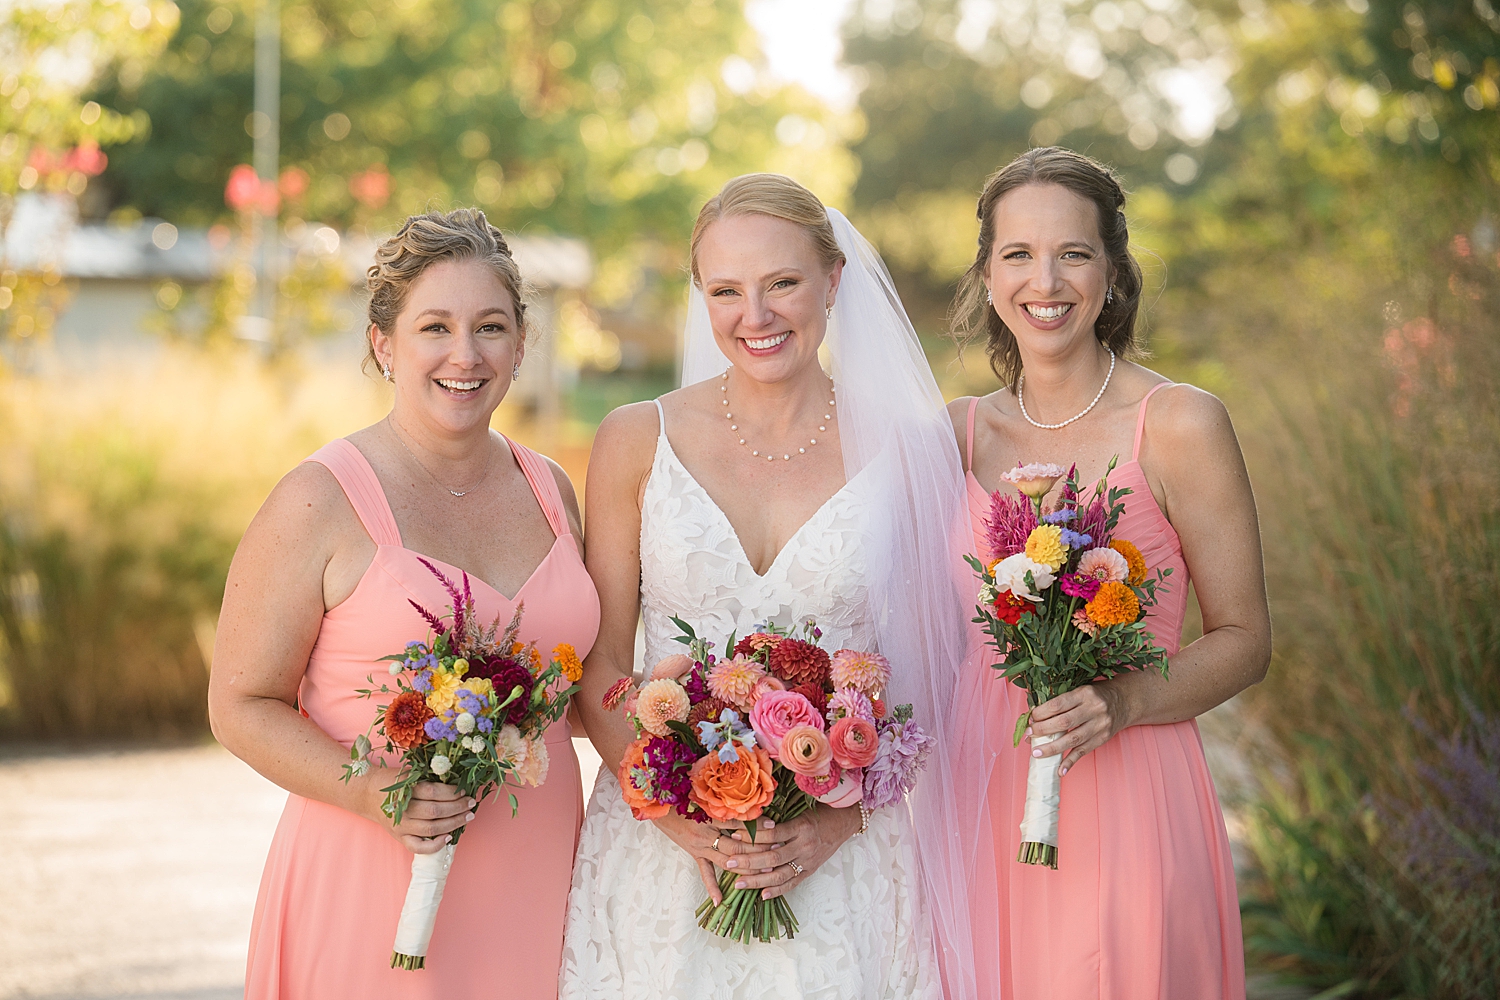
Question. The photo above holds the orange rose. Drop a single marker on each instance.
(740, 789)
(642, 806)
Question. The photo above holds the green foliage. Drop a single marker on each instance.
(591, 117)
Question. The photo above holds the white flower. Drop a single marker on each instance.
(987, 594)
(1010, 574)
(360, 768)
(440, 765)
(510, 747)
(464, 723)
(396, 667)
(534, 770)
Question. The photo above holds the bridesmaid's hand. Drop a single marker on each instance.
(700, 841)
(809, 840)
(1087, 717)
(435, 811)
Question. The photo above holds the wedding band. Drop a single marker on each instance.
(715, 848)
(795, 867)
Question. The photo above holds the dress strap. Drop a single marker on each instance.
(661, 418)
(1140, 420)
(969, 439)
(360, 484)
(544, 485)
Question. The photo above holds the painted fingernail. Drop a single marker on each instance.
(777, 847)
(1036, 753)
(1062, 770)
(1028, 730)
(740, 884)
(472, 804)
(733, 863)
(768, 824)
(469, 817)
(447, 838)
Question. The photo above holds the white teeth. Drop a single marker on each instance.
(761, 345)
(448, 383)
(1047, 313)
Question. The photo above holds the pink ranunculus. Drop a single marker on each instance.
(672, 667)
(805, 750)
(777, 713)
(854, 741)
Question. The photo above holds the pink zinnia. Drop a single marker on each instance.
(1103, 564)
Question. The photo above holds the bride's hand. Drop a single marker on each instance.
(701, 839)
(809, 840)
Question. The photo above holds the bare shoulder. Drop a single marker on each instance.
(305, 520)
(1184, 417)
(624, 447)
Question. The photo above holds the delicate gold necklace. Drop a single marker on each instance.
(770, 456)
(483, 476)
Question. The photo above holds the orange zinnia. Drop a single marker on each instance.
(1115, 604)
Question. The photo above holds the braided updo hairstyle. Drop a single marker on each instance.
(1088, 179)
(462, 234)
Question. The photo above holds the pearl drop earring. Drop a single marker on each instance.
(515, 372)
(386, 371)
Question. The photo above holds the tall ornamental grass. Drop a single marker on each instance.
(123, 493)
(1375, 835)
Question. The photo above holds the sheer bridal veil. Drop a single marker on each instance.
(895, 429)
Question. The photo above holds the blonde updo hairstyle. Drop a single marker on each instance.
(1095, 183)
(462, 234)
(778, 197)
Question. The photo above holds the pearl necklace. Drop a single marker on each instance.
(1021, 399)
(724, 392)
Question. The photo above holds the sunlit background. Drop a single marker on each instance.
(189, 193)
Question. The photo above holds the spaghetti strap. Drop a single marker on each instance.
(360, 484)
(969, 438)
(543, 484)
(1140, 420)
(661, 418)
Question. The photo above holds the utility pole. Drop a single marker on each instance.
(267, 156)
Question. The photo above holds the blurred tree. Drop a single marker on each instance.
(600, 118)
(50, 136)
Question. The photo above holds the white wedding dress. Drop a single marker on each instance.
(631, 932)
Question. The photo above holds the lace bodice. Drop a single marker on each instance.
(693, 566)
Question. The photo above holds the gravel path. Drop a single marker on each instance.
(133, 873)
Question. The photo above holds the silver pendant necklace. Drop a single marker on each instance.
(1021, 399)
(458, 493)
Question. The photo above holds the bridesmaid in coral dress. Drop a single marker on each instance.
(320, 589)
(1143, 903)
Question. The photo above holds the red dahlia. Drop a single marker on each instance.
(706, 710)
(755, 642)
(814, 694)
(404, 719)
(798, 662)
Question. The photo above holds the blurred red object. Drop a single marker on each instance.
(294, 183)
(87, 158)
(245, 192)
(372, 188)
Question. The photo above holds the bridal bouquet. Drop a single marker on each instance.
(770, 731)
(470, 708)
(1062, 600)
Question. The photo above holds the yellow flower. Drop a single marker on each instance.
(1045, 545)
(444, 691)
(1133, 557)
(481, 686)
(567, 658)
(1115, 604)
(460, 666)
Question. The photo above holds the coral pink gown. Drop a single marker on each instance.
(1143, 904)
(334, 882)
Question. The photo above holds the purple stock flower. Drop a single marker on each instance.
(671, 763)
(902, 753)
(696, 684)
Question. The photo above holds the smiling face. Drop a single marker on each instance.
(767, 292)
(1047, 273)
(455, 344)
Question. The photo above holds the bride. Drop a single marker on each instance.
(766, 490)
